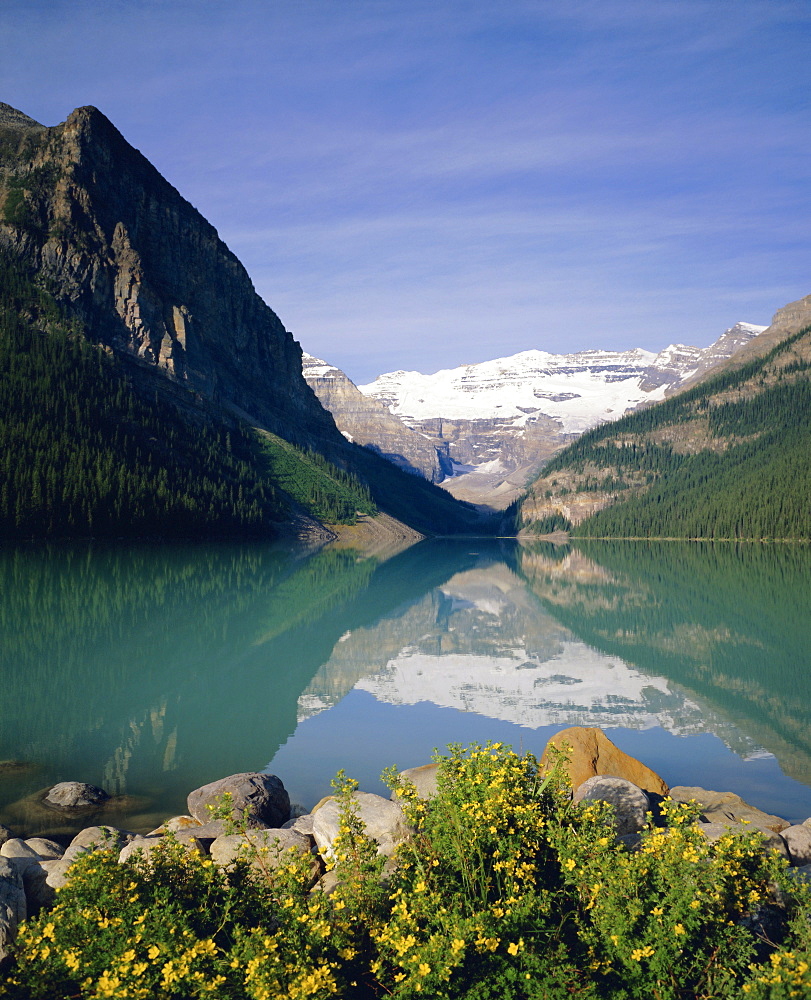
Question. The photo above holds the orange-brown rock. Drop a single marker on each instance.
(591, 752)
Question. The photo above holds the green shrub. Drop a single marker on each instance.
(505, 890)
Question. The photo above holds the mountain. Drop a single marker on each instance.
(97, 246)
(729, 457)
(369, 423)
(511, 414)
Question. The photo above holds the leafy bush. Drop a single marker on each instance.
(505, 890)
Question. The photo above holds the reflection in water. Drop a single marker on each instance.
(729, 622)
(153, 669)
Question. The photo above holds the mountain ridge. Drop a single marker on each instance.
(136, 268)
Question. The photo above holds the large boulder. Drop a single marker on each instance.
(46, 849)
(727, 808)
(630, 803)
(592, 753)
(13, 908)
(264, 848)
(384, 820)
(423, 778)
(75, 795)
(262, 796)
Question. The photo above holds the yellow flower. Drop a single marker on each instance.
(513, 948)
(679, 929)
(457, 945)
(153, 952)
(48, 930)
(571, 863)
(424, 969)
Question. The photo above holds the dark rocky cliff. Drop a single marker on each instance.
(144, 273)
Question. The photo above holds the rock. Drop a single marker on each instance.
(204, 833)
(13, 906)
(773, 841)
(5, 834)
(262, 795)
(38, 894)
(321, 802)
(370, 422)
(592, 753)
(423, 778)
(271, 844)
(145, 845)
(301, 824)
(58, 870)
(75, 795)
(727, 808)
(327, 884)
(384, 819)
(174, 824)
(16, 848)
(630, 803)
(798, 842)
(802, 874)
(100, 838)
(46, 849)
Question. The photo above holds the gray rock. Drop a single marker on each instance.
(38, 894)
(727, 808)
(327, 884)
(142, 844)
(271, 844)
(101, 838)
(16, 848)
(802, 874)
(423, 778)
(13, 906)
(301, 824)
(48, 850)
(145, 845)
(75, 795)
(630, 803)
(773, 841)
(263, 796)
(58, 871)
(798, 842)
(384, 820)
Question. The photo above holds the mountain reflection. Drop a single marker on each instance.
(727, 622)
(153, 669)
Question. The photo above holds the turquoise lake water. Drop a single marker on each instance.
(150, 670)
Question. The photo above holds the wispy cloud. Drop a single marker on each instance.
(413, 180)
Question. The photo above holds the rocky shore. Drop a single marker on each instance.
(32, 870)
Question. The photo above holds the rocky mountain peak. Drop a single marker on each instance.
(12, 118)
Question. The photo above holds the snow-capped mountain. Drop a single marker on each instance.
(503, 418)
(577, 390)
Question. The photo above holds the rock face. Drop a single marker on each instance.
(141, 273)
(592, 753)
(370, 423)
(144, 272)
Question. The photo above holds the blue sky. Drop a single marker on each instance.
(424, 183)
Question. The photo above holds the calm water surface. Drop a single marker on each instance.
(151, 670)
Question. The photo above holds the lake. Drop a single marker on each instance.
(152, 669)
